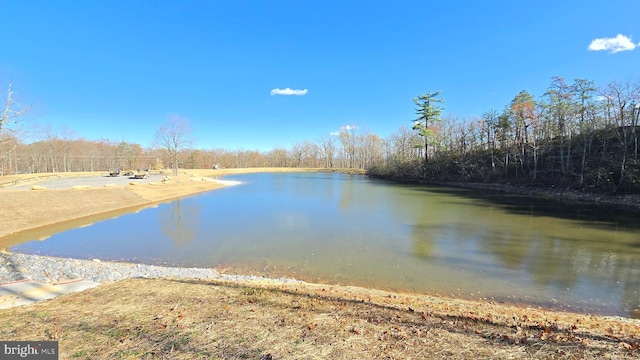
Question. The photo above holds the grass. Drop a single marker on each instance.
(178, 319)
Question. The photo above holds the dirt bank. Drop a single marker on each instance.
(23, 210)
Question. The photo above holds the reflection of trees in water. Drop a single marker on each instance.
(557, 256)
(545, 259)
(180, 220)
(590, 214)
(508, 247)
(549, 263)
(347, 196)
(422, 242)
(566, 264)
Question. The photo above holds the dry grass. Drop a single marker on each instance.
(176, 319)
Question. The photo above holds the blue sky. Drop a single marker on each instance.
(116, 69)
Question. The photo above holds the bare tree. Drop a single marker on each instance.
(350, 143)
(328, 150)
(405, 145)
(9, 116)
(371, 149)
(298, 153)
(12, 110)
(173, 138)
(277, 157)
(584, 91)
(620, 106)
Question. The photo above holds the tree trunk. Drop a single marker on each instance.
(493, 158)
(426, 150)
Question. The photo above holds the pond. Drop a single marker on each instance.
(352, 230)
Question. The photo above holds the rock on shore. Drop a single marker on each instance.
(47, 269)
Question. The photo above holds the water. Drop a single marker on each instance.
(352, 230)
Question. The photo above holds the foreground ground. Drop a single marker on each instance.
(183, 319)
(180, 319)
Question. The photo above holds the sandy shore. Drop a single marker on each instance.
(23, 210)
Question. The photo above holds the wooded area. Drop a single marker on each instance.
(60, 153)
(576, 135)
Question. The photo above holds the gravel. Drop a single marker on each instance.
(85, 181)
(47, 269)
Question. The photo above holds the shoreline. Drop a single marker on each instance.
(201, 305)
(628, 201)
(16, 267)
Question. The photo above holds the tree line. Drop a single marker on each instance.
(574, 134)
(63, 152)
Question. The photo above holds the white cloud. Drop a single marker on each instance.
(616, 44)
(288, 91)
(345, 128)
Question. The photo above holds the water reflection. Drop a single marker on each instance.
(352, 230)
(610, 216)
(423, 245)
(180, 221)
(570, 253)
(347, 196)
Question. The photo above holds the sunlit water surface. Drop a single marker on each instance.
(345, 229)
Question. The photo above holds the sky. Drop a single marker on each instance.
(256, 75)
